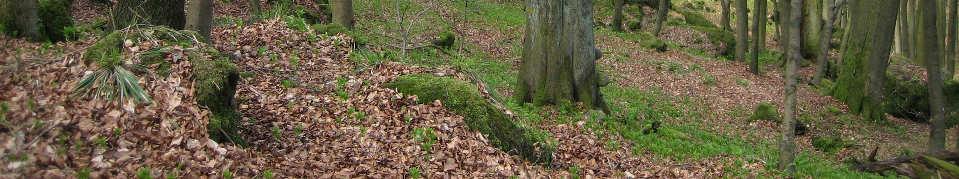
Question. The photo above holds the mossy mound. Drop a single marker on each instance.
(724, 39)
(829, 144)
(464, 99)
(445, 40)
(655, 43)
(696, 19)
(214, 75)
(766, 112)
(634, 25)
(909, 98)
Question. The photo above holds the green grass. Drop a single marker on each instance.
(503, 16)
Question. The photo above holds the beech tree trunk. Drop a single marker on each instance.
(661, 16)
(759, 34)
(742, 29)
(724, 17)
(559, 54)
(25, 18)
(865, 56)
(811, 27)
(618, 14)
(168, 13)
(822, 60)
(787, 145)
(200, 17)
(343, 13)
(929, 45)
(950, 61)
(903, 30)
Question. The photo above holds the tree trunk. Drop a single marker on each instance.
(724, 17)
(822, 60)
(168, 13)
(559, 54)
(928, 44)
(26, 21)
(661, 16)
(811, 27)
(865, 56)
(618, 15)
(343, 13)
(742, 28)
(784, 6)
(903, 32)
(200, 18)
(787, 146)
(950, 61)
(759, 34)
(254, 10)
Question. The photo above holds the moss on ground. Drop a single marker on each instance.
(696, 19)
(909, 98)
(464, 99)
(216, 81)
(767, 112)
(720, 38)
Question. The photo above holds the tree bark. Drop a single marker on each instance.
(343, 13)
(618, 6)
(903, 32)
(26, 21)
(759, 34)
(724, 18)
(953, 29)
(559, 54)
(784, 11)
(742, 28)
(822, 60)
(929, 44)
(811, 27)
(661, 16)
(865, 55)
(168, 13)
(787, 145)
(200, 18)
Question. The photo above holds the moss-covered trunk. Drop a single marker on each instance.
(200, 17)
(559, 54)
(787, 144)
(759, 35)
(929, 45)
(618, 6)
(742, 29)
(23, 19)
(168, 13)
(343, 13)
(811, 27)
(865, 56)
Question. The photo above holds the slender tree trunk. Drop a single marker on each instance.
(661, 16)
(724, 17)
(618, 6)
(822, 60)
(168, 13)
(759, 34)
(784, 11)
(200, 17)
(953, 29)
(865, 56)
(929, 44)
(254, 10)
(742, 29)
(903, 32)
(787, 146)
(343, 13)
(559, 54)
(811, 27)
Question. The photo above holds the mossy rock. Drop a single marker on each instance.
(721, 38)
(464, 99)
(655, 43)
(767, 112)
(330, 29)
(216, 81)
(909, 98)
(445, 40)
(829, 144)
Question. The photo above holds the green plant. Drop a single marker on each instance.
(295, 61)
(742, 82)
(298, 129)
(296, 23)
(100, 142)
(83, 173)
(574, 172)
(425, 137)
(111, 81)
(829, 144)
(765, 111)
(341, 88)
(144, 173)
(709, 80)
(414, 173)
(268, 174)
(330, 29)
(288, 83)
(227, 174)
(276, 132)
(55, 16)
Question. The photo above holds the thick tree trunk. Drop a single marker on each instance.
(724, 17)
(929, 45)
(742, 29)
(822, 60)
(559, 54)
(759, 35)
(343, 13)
(200, 17)
(811, 27)
(661, 16)
(618, 6)
(787, 145)
(156, 12)
(865, 56)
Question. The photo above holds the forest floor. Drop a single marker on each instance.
(316, 106)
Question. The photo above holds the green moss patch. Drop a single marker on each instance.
(464, 99)
(216, 82)
(766, 112)
(696, 19)
(909, 98)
